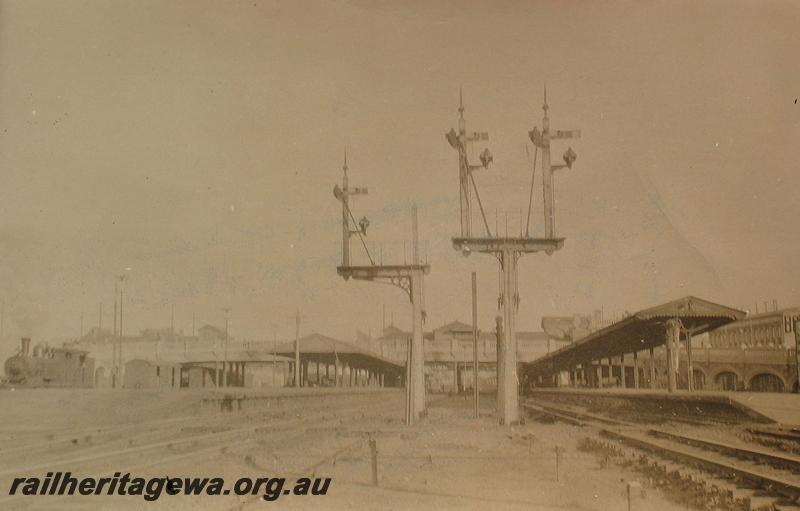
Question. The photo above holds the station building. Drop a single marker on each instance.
(757, 353)
(150, 356)
(449, 354)
(770, 330)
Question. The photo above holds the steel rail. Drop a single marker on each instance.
(769, 482)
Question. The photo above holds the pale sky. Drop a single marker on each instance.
(197, 144)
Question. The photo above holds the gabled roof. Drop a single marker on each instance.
(690, 307)
(318, 347)
(211, 328)
(454, 326)
(318, 343)
(393, 331)
(207, 356)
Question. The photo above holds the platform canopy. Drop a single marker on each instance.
(326, 350)
(640, 331)
(212, 356)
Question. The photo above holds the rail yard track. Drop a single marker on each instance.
(752, 477)
(165, 444)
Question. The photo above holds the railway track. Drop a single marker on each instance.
(54, 445)
(766, 475)
(177, 452)
(344, 448)
(791, 434)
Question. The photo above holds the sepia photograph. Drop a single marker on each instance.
(399, 255)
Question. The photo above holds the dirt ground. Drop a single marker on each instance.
(449, 460)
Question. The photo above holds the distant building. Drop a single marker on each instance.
(757, 353)
(770, 330)
(449, 354)
(112, 353)
(210, 334)
(568, 328)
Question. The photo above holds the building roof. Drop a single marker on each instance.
(213, 330)
(209, 356)
(692, 308)
(321, 348)
(392, 331)
(642, 330)
(455, 327)
(771, 315)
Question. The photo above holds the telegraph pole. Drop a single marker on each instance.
(225, 350)
(475, 342)
(274, 354)
(797, 353)
(118, 341)
(297, 381)
(121, 297)
(408, 277)
(509, 249)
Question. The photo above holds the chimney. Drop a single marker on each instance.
(26, 346)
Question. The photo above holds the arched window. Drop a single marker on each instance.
(766, 382)
(726, 380)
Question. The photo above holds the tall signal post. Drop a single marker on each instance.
(541, 139)
(466, 183)
(408, 277)
(508, 250)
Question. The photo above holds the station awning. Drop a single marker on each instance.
(326, 350)
(640, 331)
(211, 356)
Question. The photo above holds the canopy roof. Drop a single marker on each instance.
(640, 331)
(212, 356)
(324, 349)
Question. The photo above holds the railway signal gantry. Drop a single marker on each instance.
(507, 249)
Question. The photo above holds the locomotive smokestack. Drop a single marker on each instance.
(26, 345)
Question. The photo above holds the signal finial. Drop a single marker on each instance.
(344, 167)
(461, 102)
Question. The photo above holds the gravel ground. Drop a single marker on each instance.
(449, 460)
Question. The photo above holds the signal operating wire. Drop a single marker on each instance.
(360, 236)
(480, 204)
(530, 199)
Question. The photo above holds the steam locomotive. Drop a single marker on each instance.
(48, 367)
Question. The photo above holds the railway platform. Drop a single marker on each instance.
(735, 407)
